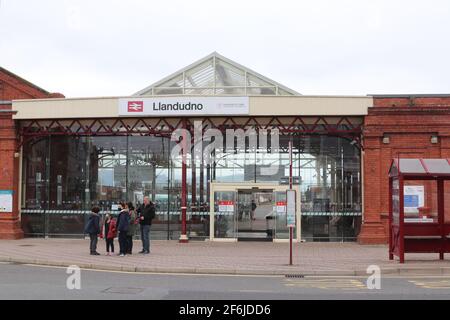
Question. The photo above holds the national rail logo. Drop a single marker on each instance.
(135, 106)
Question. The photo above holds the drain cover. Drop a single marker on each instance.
(26, 245)
(294, 276)
(123, 290)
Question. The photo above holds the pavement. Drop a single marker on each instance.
(242, 258)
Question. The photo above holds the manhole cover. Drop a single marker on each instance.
(123, 290)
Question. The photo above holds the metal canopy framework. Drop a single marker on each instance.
(216, 75)
(346, 127)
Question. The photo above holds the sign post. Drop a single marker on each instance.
(290, 209)
(290, 218)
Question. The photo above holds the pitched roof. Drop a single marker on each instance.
(11, 75)
(216, 75)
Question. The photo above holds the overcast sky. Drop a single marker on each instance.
(112, 48)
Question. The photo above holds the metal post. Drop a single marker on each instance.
(441, 216)
(47, 187)
(169, 185)
(208, 181)
(202, 186)
(183, 236)
(291, 229)
(194, 183)
(391, 243)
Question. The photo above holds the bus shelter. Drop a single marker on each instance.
(419, 207)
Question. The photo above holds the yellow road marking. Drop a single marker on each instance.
(441, 284)
(343, 284)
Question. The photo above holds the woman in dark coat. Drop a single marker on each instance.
(131, 228)
(93, 229)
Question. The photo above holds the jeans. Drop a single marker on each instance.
(123, 243)
(110, 244)
(145, 237)
(93, 244)
(130, 244)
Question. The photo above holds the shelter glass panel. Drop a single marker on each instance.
(420, 201)
(447, 201)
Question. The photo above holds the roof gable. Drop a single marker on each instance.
(21, 87)
(216, 75)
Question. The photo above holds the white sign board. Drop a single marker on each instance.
(183, 106)
(290, 208)
(281, 206)
(6, 200)
(414, 198)
(226, 206)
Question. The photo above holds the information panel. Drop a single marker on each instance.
(414, 198)
(6, 200)
(290, 208)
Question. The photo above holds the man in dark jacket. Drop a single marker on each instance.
(146, 215)
(123, 223)
(93, 229)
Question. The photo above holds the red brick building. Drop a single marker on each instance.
(343, 149)
(406, 126)
(12, 87)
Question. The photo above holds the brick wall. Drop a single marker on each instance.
(409, 124)
(12, 87)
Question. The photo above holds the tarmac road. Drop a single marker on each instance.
(19, 281)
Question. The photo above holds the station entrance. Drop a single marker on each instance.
(250, 212)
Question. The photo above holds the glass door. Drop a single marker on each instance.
(244, 210)
(224, 214)
(281, 230)
(254, 214)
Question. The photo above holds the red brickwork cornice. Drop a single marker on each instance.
(408, 111)
(412, 101)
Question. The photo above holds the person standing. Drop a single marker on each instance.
(131, 228)
(253, 210)
(110, 233)
(123, 223)
(147, 213)
(93, 229)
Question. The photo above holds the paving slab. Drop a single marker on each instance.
(262, 258)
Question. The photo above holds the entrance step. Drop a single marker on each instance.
(251, 235)
(255, 239)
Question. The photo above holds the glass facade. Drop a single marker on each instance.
(64, 176)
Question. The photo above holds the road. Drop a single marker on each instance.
(38, 282)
